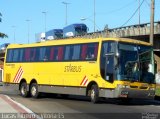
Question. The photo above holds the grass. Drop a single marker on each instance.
(158, 91)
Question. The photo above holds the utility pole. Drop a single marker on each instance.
(94, 15)
(45, 13)
(66, 4)
(152, 22)
(139, 16)
(139, 12)
(28, 28)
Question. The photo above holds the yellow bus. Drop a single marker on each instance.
(101, 67)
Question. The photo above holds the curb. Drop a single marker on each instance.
(21, 109)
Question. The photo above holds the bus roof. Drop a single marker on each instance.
(77, 40)
(76, 25)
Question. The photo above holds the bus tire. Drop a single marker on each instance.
(94, 94)
(23, 89)
(34, 90)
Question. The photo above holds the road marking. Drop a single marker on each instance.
(18, 107)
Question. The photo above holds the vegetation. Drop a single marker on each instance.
(158, 91)
(2, 35)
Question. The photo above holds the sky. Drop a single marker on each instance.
(19, 15)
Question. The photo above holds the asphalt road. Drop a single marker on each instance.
(80, 107)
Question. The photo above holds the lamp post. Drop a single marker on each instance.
(94, 15)
(45, 14)
(83, 19)
(28, 21)
(14, 36)
(139, 15)
(152, 22)
(66, 4)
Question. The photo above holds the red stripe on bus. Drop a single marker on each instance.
(83, 80)
(19, 75)
(15, 78)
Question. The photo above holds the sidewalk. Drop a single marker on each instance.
(14, 110)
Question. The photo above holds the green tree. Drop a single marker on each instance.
(2, 35)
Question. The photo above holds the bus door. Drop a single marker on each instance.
(108, 61)
(109, 67)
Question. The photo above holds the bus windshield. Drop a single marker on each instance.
(136, 63)
(80, 30)
(59, 34)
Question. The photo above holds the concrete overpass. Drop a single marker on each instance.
(139, 32)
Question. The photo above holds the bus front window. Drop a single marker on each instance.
(58, 34)
(80, 30)
(136, 63)
(147, 66)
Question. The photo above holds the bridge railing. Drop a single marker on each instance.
(134, 30)
(127, 31)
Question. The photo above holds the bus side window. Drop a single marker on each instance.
(42, 54)
(33, 54)
(84, 51)
(21, 55)
(15, 55)
(47, 54)
(51, 54)
(60, 53)
(96, 50)
(67, 52)
(9, 55)
(55, 53)
(27, 54)
(92, 51)
(75, 51)
(71, 53)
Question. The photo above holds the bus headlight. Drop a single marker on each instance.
(123, 86)
(124, 93)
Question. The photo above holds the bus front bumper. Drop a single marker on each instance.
(127, 93)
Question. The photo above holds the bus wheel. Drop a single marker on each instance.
(34, 90)
(94, 94)
(23, 89)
